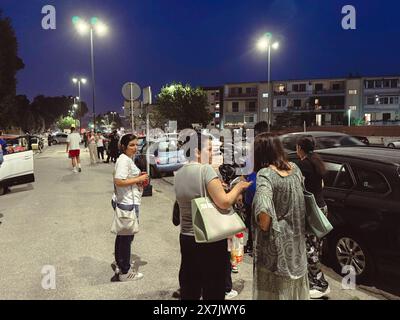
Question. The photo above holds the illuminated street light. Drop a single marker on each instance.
(101, 29)
(265, 44)
(79, 81)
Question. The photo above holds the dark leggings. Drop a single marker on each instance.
(100, 151)
(123, 252)
(203, 269)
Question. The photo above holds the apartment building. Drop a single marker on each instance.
(241, 104)
(323, 102)
(381, 103)
(215, 97)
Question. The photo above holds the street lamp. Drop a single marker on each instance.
(265, 44)
(101, 29)
(79, 81)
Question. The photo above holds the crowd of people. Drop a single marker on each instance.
(286, 259)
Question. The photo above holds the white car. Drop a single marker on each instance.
(17, 167)
(393, 144)
(60, 138)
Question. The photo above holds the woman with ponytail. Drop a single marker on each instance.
(313, 170)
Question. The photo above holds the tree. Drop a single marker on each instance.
(10, 63)
(65, 122)
(184, 104)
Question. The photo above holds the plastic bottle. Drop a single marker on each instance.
(238, 247)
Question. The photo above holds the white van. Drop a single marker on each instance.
(17, 167)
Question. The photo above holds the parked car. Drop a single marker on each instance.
(362, 139)
(362, 191)
(324, 140)
(59, 138)
(17, 167)
(393, 144)
(165, 157)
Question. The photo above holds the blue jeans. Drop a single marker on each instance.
(122, 249)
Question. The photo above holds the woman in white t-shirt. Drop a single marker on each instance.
(128, 191)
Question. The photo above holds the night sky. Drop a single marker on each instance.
(201, 42)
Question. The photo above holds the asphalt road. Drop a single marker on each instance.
(63, 220)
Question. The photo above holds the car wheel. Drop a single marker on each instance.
(54, 142)
(154, 173)
(391, 145)
(349, 250)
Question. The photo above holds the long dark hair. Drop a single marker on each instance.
(268, 150)
(125, 140)
(307, 144)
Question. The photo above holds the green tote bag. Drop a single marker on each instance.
(316, 221)
(211, 224)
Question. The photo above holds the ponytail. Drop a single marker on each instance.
(307, 144)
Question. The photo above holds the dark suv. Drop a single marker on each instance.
(362, 191)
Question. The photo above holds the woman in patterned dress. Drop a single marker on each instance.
(280, 260)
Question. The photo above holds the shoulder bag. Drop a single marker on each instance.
(316, 221)
(211, 224)
(125, 221)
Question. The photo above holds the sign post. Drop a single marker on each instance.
(131, 91)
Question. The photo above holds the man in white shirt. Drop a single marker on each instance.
(73, 149)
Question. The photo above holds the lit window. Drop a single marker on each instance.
(352, 91)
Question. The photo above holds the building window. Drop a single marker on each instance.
(352, 91)
(296, 103)
(384, 100)
(251, 106)
(281, 88)
(302, 87)
(295, 87)
(336, 86)
(281, 103)
(386, 83)
(378, 84)
(248, 90)
(393, 100)
(393, 83)
(319, 87)
(240, 90)
(235, 106)
(386, 116)
(369, 84)
(370, 100)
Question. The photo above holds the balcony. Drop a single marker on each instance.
(253, 94)
(330, 91)
(281, 93)
(319, 109)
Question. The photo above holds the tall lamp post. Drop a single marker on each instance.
(265, 44)
(101, 29)
(78, 81)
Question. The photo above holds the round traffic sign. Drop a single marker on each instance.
(131, 91)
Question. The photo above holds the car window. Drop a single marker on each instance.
(289, 143)
(370, 181)
(337, 176)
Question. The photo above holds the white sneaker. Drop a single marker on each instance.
(318, 294)
(231, 294)
(74, 170)
(130, 276)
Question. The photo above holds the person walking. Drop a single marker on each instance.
(92, 148)
(100, 146)
(313, 169)
(203, 265)
(127, 192)
(73, 150)
(113, 147)
(280, 260)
